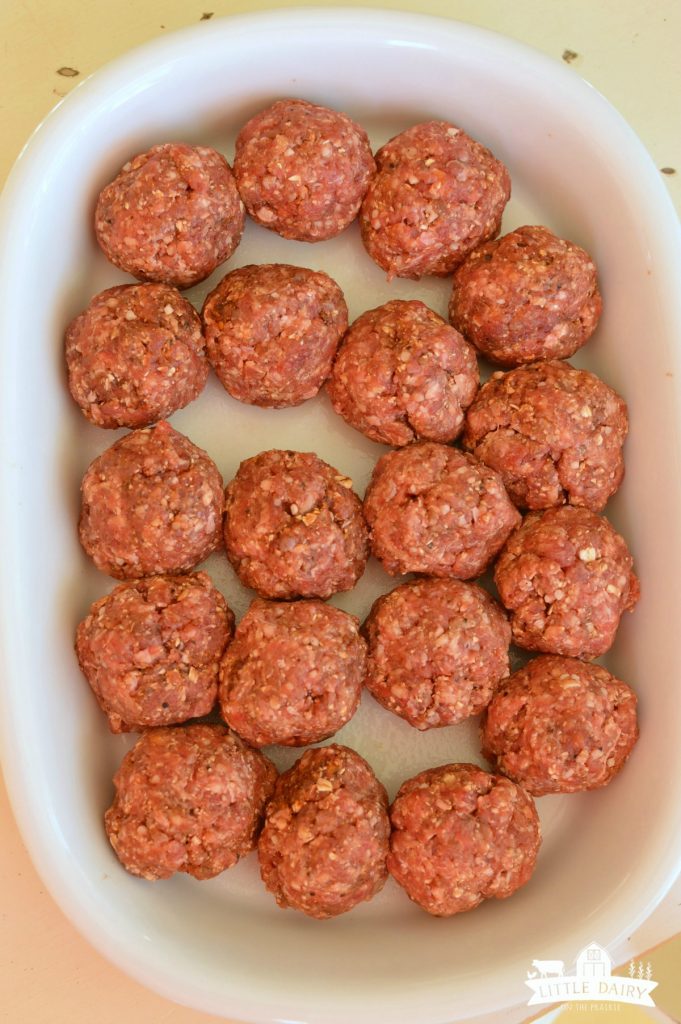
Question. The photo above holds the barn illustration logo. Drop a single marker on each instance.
(592, 980)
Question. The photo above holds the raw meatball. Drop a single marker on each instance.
(151, 650)
(437, 511)
(438, 193)
(294, 526)
(437, 651)
(151, 503)
(135, 355)
(527, 296)
(560, 726)
(302, 170)
(566, 577)
(402, 374)
(172, 214)
(323, 847)
(553, 432)
(189, 798)
(272, 332)
(461, 836)
(294, 673)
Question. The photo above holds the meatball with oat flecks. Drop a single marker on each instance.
(461, 836)
(302, 170)
(323, 847)
(566, 576)
(293, 674)
(436, 510)
(151, 650)
(294, 526)
(437, 195)
(559, 725)
(438, 649)
(172, 214)
(272, 332)
(554, 433)
(403, 374)
(189, 798)
(151, 503)
(526, 296)
(135, 355)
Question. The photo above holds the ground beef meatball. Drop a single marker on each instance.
(402, 374)
(435, 510)
(438, 193)
(135, 355)
(188, 798)
(294, 673)
(151, 650)
(437, 651)
(294, 526)
(302, 170)
(272, 332)
(566, 577)
(553, 432)
(151, 503)
(526, 296)
(560, 726)
(172, 214)
(461, 836)
(323, 847)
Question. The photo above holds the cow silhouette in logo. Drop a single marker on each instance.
(549, 968)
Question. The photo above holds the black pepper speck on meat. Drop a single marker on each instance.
(437, 195)
(324, 843)
(188, 798)
(151, 650)
(272, 332)
(566, 577)
(151, 503)
(461, 836)
(294, 527)
(529, 295)
(435, 510)
(559, 725)
(172, 214)
(554, 433)
(437, 651)
(302, 169)
(293, 674)
(135, 355)
(403, 374)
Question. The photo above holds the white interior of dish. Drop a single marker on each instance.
(607, 857)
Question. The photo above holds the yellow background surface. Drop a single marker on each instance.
(626, 48)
